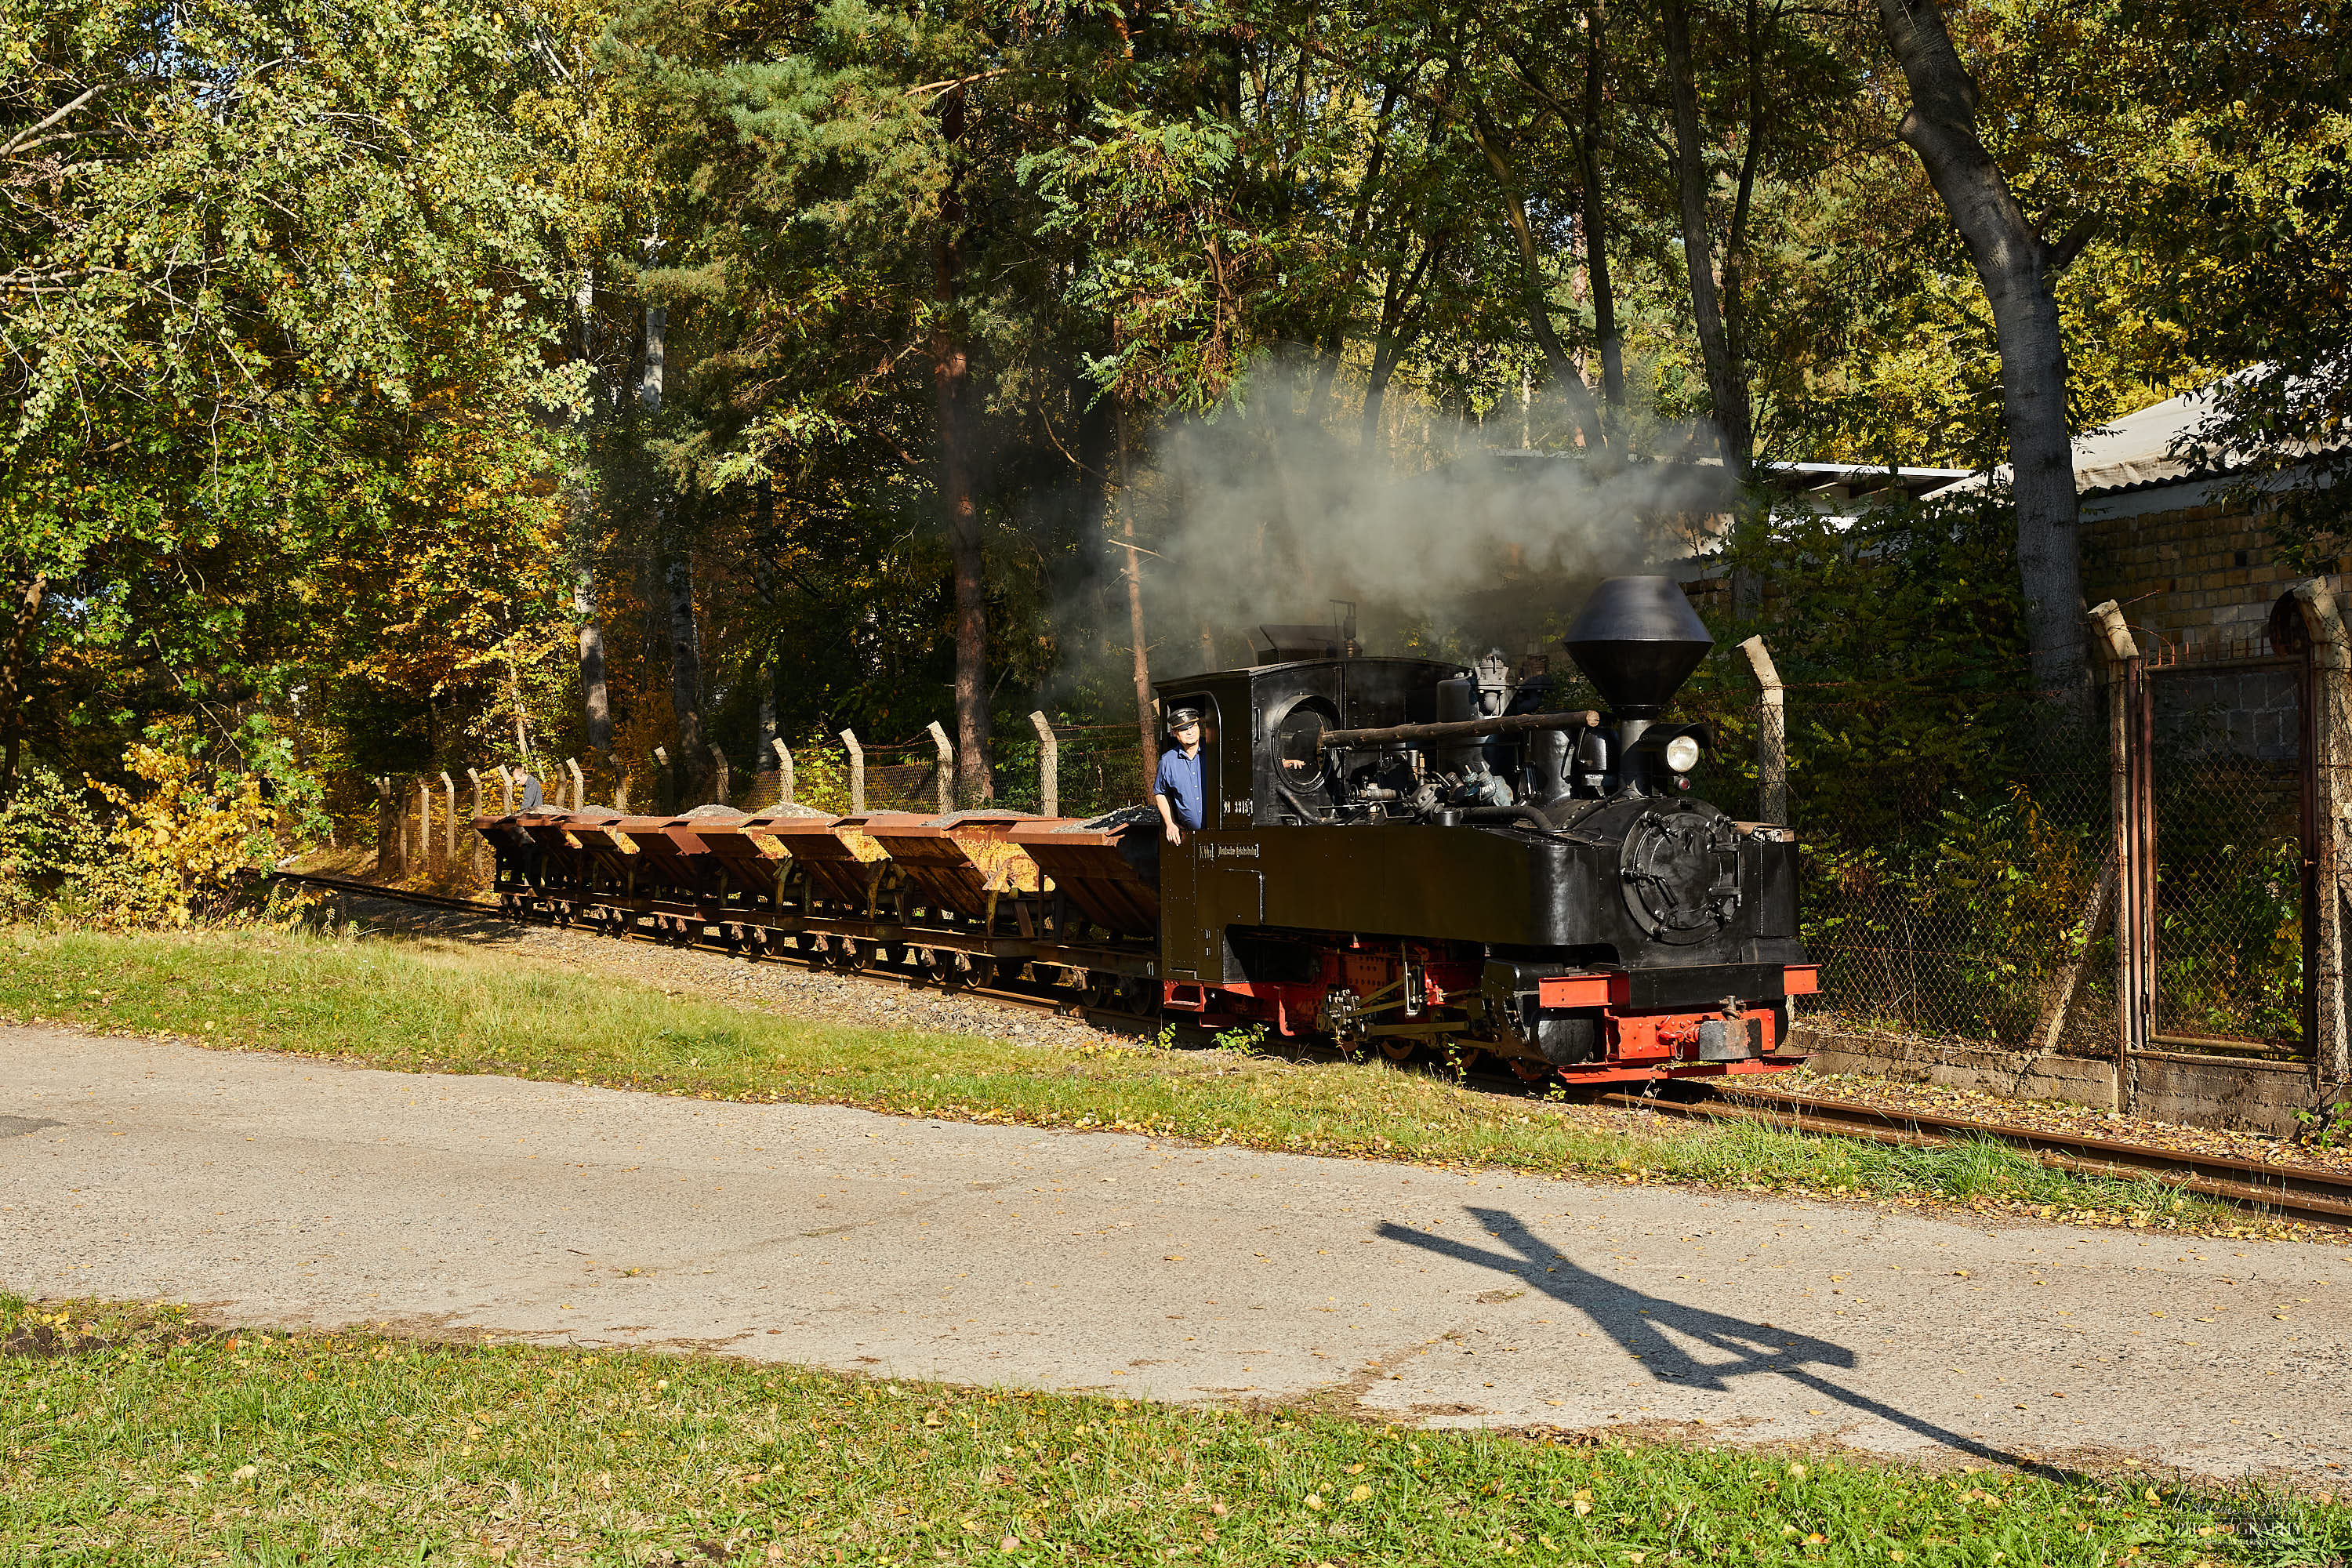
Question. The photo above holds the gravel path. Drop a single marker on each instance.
(821, 995)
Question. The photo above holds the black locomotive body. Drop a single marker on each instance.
(1403, 853)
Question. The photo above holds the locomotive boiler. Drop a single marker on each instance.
(1397, 853)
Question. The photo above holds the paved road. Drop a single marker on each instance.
(273, 1190)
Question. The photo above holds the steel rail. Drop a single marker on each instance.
(2303, 1190)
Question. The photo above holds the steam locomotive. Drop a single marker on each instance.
(1396, 854)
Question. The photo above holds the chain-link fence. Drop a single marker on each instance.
(2225, 724)
(1954, 888)
(1960, 857)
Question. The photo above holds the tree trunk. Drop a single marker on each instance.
(686, 674)
(1727, 378)
(951, 384)
(596, 701)
(678, 581)
(1147, 728)
(1558, 367)
(763, 582)
(1596, 215)
(22, 616)
(2020, 271)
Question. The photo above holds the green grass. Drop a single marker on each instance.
(129, 1435)
(450, 1007)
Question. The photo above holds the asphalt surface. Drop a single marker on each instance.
(271, 1189)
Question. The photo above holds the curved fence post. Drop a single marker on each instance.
(579, 784)
(856, 773)
(783, 772)
(2134, 851)
(2328, 739)
(1049, 767)
(1772, 734)
(946, 775)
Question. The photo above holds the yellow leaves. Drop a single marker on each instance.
(1315, 1501)
(1582, 1502)
(1360, 1493)
(184, 841)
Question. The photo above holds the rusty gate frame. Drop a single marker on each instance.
(2304, 635)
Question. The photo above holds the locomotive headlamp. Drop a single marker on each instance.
(1682, 753)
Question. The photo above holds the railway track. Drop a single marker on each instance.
(880, 973)
(2302, 1191)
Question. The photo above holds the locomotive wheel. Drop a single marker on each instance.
(1532, 1072)
(1462, 1060)
(1399, 1050)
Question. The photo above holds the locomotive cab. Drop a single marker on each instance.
(1406, 853)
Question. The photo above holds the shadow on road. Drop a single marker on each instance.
(1704, 1350)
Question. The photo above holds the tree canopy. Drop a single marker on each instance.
(394, 385)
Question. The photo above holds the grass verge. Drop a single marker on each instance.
(130, 1434)
(426, 1004)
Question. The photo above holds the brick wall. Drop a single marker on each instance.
(2197, 572)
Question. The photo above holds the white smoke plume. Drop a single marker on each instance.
(1447, 538)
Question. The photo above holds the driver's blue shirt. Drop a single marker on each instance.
(1179, 781)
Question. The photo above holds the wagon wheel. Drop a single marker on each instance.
(852, 956)
(1139, 995)
(981, 972)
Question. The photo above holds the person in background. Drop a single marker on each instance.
(1177, 790)
(527, 850)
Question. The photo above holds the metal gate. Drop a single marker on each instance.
(2216, 831)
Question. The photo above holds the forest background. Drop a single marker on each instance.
(394, 387)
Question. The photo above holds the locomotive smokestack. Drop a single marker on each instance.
(1637, 639)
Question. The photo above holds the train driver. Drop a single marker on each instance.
(1177, 792)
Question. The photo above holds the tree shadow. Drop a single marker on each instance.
(1637, 1322)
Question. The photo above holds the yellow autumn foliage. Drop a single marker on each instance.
(183, 843)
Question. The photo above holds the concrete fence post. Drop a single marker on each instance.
(783, 772)
(448, 821)
(578, 784)
(474, 850)
(856, 773)
(1772, 734)
(945, 774)
(2328, 737)
(387, 830)
(721, 788)
(423, 824)
(1049, 767)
